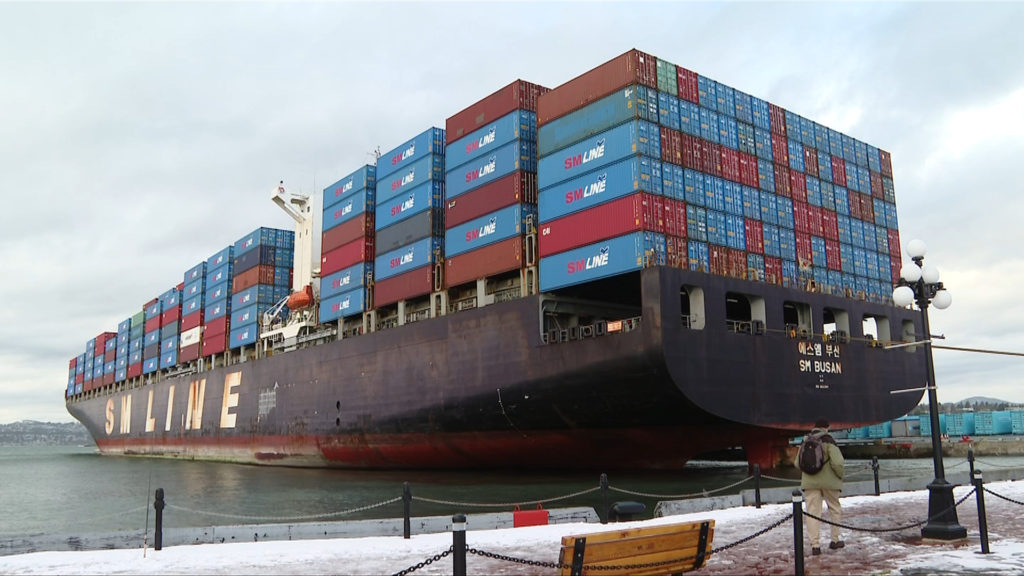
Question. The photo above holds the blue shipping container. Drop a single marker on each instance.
(639, 137)
(426, 196)
(258, 294)
(218, 292)
(216, 310)
(516, 125)
(516, 155)
(423, 170)
(361, 179)
(345, 280)
(243, 335)
(225, 256)
(419, 253)
(600, 260)
(623, 178)
(349, 207)
(430, 142)
(342, 305)
(151, 365)
(261, 237)
(194, 288)
(488, 229)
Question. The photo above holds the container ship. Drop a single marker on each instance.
(627, 271)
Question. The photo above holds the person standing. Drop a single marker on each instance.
(825, 483)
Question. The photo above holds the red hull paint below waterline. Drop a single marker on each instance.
(642, 371)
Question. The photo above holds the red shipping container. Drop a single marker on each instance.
(192, 320)
(79, 378)
(109, 355)
(877, 190)
(894, 244)
(711, 158)
(886, 159)
(737, 263)
(780, 149)
(748, 170)
(189, 353)
(730, 161)
(816, 220)
(484, 262)
(360, 250)
(830, 222)
(134, 370)
(896, 265)
(687, 85)
(777, 117)
(181, 286)
(783, 185)
(609, 220)
(516, 188)
(407, 285)
(867, 207)
(854, 204)
(517, 95)
(755, 235)
(73, 363)
(150, 303)
(262, 274)
(633, 67)
(675, 217)
(170, 315)
(719, 256)
(108, 379)
(833, 257)
(773, 270)
(217, 326)
(811, 161)
(359, 227)
(676, 252)
(801, 218)
(797, 186)
(804, 251)
(214, 343)
(690, 152)
(839, 171)
(152, 324)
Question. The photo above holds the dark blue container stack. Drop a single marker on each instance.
(170, 325)
(136, 335)
(505, 148)
(264, 246)
(122, 344)
(409, 221)
(220, 271)
(151, 338)
(347, 244)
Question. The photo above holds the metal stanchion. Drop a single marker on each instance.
(407, 510)
(798, 531)
(979, 492)
(874, 468)
(604, 498)
(158, 532)
(757, 485)
(459, 544)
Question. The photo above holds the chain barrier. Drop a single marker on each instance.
(1000, 496)
(285, 518)
(898, 528)
(503, 504)
(559, 566)
(995, 465)
(777, 479)
(426, 562)
(91, 519)
(690, 495)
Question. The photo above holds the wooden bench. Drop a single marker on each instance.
(682, 547)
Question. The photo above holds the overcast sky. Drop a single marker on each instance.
(138, 139)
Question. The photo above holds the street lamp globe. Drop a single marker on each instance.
(903, 296)
(911, 273)
(917, 249)
(942, 299)
(930, 274)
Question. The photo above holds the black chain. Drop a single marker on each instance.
(426, 562)
(898, 528)
(559, 566)
(1004, 497)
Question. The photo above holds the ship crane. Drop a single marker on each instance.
(301, 303)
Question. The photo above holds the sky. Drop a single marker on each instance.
(878, 553)
(151, 135)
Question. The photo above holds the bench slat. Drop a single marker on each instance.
(640, 546)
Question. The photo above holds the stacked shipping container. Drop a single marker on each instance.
(346, 267)
(738, 186)
(220, 271)
(170, 327)
(136, 336)
(193, 300)
(151, 336)
(262, 266)
(409, 224)
(490, 183)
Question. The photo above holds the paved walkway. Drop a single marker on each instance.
(865, 552)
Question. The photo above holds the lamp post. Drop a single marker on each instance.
(920, 284)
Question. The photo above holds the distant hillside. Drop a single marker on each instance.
(28, 432)
(980, 400)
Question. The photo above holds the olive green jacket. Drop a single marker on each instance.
(830, 477)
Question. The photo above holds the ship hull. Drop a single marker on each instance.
(491, 388)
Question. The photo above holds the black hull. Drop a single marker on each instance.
(483, 389)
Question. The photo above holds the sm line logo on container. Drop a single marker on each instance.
(343, 281)
(404, 258)
(580, 159)
(592, 189)
(346, 209)
(343, 188)
(404, 180)
(488, 168)
(405, 154)
(343, 305)
(482, 141)
(598, 260)
(486, 230)
(407, 205)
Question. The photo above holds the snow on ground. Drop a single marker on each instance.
(878, 553)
